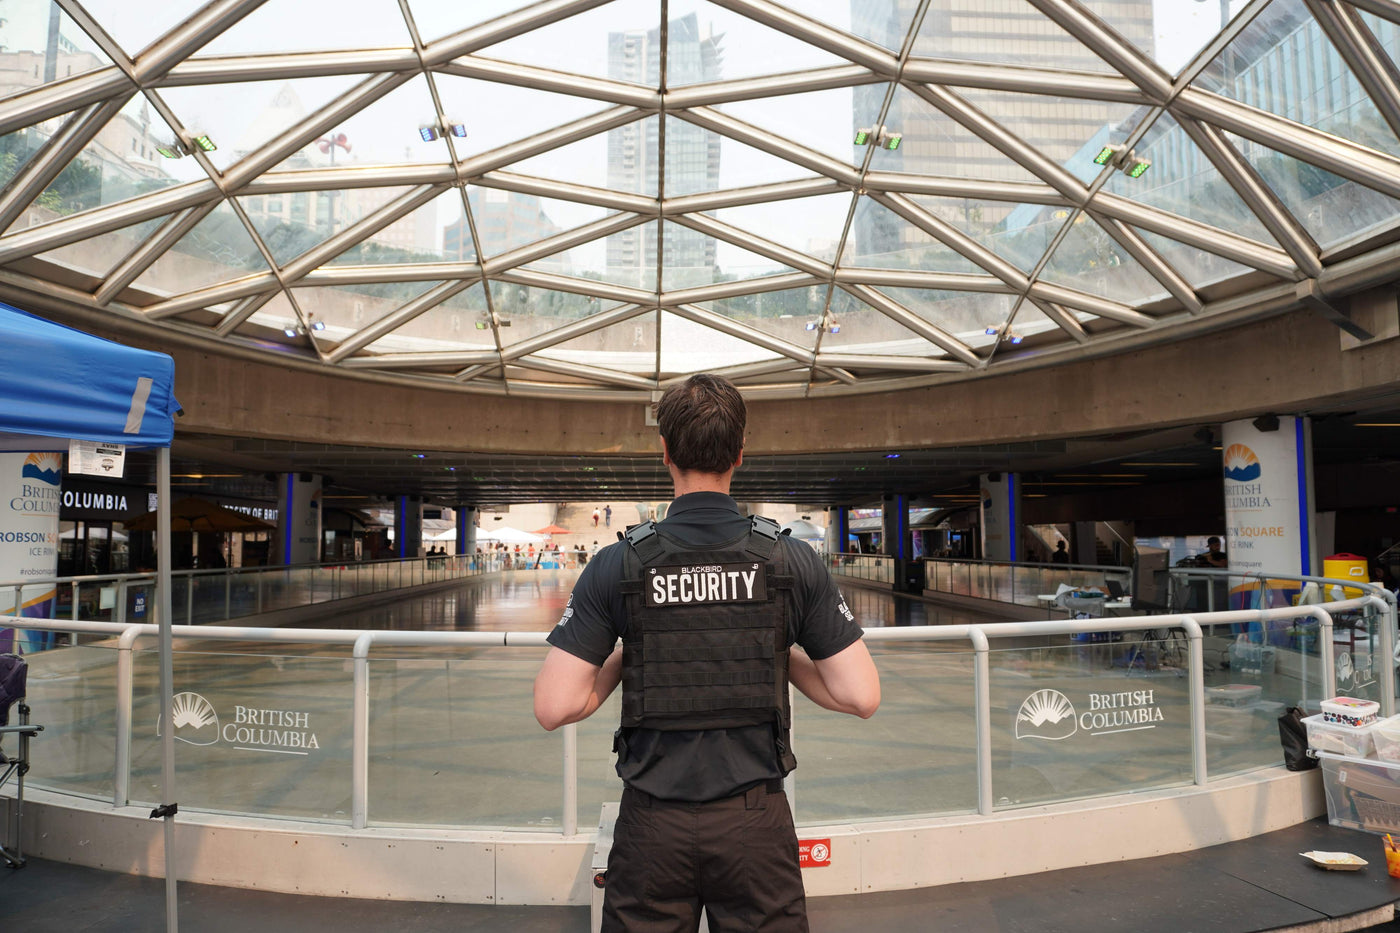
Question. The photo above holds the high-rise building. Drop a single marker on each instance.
(692, 153)
(504, 220)
(1010, 32)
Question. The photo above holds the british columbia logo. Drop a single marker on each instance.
(286, 732)
(1046, 714)
(38, 486)
(1241, 465)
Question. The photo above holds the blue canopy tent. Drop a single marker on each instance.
(59, 384)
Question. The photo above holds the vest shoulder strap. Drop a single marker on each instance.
(763, 536)
(644, 541)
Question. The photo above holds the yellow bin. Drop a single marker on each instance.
(1346, 567)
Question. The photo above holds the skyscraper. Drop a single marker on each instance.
(692, 153)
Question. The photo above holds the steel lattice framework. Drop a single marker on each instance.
(935, 273)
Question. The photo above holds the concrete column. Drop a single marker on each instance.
(298, 518)
(838, 526)
(1083, 543)
(894, 521)
(1001, 516)
(408, 526)
(466, 529)
(29, 501)
(1269, 509)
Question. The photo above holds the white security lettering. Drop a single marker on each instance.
(748, 580)
(658, 588)
(683, 587)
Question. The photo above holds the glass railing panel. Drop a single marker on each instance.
(1252, 674)
(999, 582)
(71, 691)
(1085, 720)
(960, 579)
(916, 757)
(453, 741)
(266, 733)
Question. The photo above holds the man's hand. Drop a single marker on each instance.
(846, 682)
(568, 688)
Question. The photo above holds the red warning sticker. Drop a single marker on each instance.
(814, 853)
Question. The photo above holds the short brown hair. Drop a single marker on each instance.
(702, 421)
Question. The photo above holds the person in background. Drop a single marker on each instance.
(1061, 556)
(1214, 556)
(704, 744)
(607, 516)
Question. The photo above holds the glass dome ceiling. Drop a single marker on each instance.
(579, 197)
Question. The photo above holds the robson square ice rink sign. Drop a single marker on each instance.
(1268, 508)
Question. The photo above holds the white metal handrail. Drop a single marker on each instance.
(980, 637)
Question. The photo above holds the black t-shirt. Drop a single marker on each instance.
(700, 765)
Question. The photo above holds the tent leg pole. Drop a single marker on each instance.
(167, 679)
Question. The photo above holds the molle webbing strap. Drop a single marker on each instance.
(644, 541)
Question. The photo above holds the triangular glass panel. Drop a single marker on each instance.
(496, 114)
(1067, 131)
(623, 159)
(119, 163)
(791, 314)
(291, 223)
(1198, 267)
(99, 255)
(709, 43)
(506, 220)
(808, 225)
(700, 161)
(1283, 63)
(881, 239)
(461, 323)
(1009, 32)
(963, 315)
(1183, 181)
(626, 258)
(32, 28)
(691, 258)
(884, 22)
(385, 132)
(1090, 260)
(1018, 233)
(861, 329)
(296, 26)
(534, 311)
(241, 118)
(434, 232)
(1330, 207)
(346, 309)
(135, 24)
(16, 151)
(1387, 33)
(218, 249)
(628, 347)
(814, 119)
(936, 144)
(617, 40)
(688, 347)
(436, 19)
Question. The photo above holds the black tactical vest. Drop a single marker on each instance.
(707, 629)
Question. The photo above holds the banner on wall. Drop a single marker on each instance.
(999, 516)
(1268, 501)
(30, 498)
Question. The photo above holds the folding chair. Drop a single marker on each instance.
(13, 674)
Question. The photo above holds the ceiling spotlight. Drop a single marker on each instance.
(1108, 155)
(892, 141)
(456, 129)
(1014, 337)
(863, 136)
(204, 142)
(992, 331)
(291, 331)
(482, 325)
(833, 328)
(811, 325)
(318, 325)
(173, 150)
(1137, 167)
(429, 132)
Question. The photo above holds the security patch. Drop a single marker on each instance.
(702, 584)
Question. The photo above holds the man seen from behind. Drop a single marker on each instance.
(717, 612)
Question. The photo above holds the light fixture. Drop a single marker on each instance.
(992, 331)
(1124, 159)
(1108, 155)
(318, 325)
(892, 141)
(291, 330)
(833, 328)
(1137, 167)
(482, 325)
(173, 150)
(1014, 337)
(863, 136)
(811, 325)
(429, 132)
(457, 129)
(204, 142)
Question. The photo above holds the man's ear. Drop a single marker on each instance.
(665, 454)
(740, 459)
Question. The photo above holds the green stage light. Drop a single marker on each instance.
(892, 143)
(863, 137)
(1107, 154)
(205, 143)
(1138, 167)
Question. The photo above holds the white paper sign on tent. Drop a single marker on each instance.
(96, 458)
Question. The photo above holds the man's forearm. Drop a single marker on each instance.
(609, 675)
(803, 673)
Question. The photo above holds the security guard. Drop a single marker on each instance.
(709, 606)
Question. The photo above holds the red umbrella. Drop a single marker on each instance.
(551, 530)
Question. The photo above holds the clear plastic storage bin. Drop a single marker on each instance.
(1385, 734)
(1233, 694)
(1362, 795)
(1354, 741)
